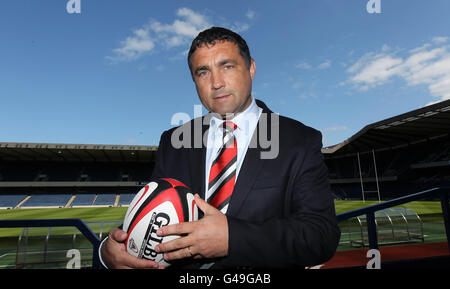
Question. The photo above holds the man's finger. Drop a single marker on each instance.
(143, 264)
(115, 255)
(172, 245)
(179, 254)
(118, 235)
(176, 229)
(136, 263)
(204, 206)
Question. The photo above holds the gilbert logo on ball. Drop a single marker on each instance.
(160, 203)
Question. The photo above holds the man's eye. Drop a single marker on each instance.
(228, 66)
(201, 73)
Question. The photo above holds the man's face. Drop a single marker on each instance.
(222, 79)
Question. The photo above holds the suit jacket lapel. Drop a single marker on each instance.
(251, 165)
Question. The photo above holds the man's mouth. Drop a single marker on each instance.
(221, 97)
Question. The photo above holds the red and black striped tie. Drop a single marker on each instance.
(223, 170)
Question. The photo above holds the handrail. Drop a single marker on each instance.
(78, 223)
(369, 211)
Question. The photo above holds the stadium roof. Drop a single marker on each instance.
(76, 152)
(416, 126)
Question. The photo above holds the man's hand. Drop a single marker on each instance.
(115, 255)
(206, 238)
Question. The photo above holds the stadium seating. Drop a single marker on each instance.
(105, 200)
(62, 200)
(125, 199)
(83, 200)
(47, 200)
(10, 200)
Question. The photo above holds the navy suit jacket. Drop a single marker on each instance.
(281, 213)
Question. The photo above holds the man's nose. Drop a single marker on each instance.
(217, 80)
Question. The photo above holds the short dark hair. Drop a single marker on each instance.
(213, 34)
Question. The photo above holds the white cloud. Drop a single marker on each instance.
(307, 66)
(377, 71)
(324, 65)
(133, 46)
(250, 14)
(180, 32)
(440, 39)
(303, 65)
(428, 64)
(239, 27)
(193, 18)
(385, 48)
(296, 84)
(424, 66)
(336, 128)
(441, 87)
(190, 24)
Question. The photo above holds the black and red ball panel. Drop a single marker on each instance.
(160, 203)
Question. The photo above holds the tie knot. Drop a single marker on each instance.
(229, 126)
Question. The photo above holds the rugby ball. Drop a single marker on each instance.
(160, 203)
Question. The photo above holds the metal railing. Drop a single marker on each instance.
(369, 211)
(78, 223)
(394, 226)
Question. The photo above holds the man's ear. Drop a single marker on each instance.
(252, 69)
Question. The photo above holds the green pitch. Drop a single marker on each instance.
(86, 214)
(429, 211)
(93, 214)
(420, 207)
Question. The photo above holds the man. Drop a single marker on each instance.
(265, 206)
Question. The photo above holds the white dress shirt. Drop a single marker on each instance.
(246, 122)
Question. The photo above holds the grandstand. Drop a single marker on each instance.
(400, 155)
(72, 175)
(393, 157)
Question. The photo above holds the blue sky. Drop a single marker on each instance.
(116, 73)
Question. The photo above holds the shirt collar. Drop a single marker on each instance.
(250, 114)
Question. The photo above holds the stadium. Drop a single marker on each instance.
(390, 182)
